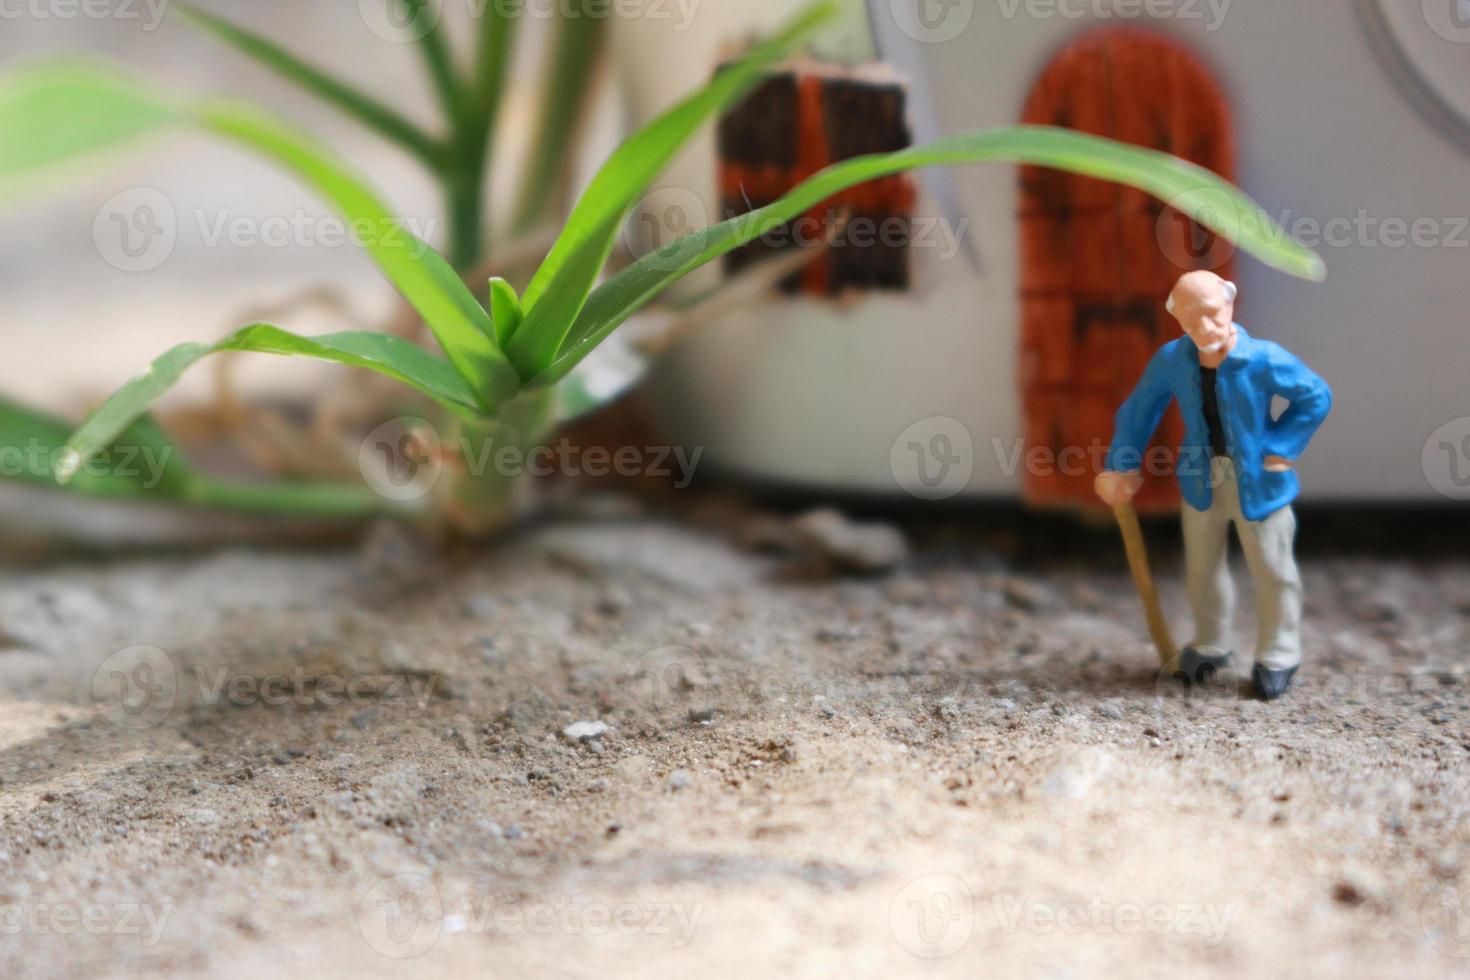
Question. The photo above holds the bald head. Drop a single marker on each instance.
(1201, 287)
(1204, 305)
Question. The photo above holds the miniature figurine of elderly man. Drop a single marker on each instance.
(1235, 465)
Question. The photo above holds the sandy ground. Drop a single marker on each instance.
(248, 762)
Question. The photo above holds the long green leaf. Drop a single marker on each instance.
(465, 179)
(561, 286)
(56, 116)
(144, 466)
(1191, 189)
(380, 352)
(437, 59)
(142, 461)
(564, 92)
(492, 60)
(360, 106)
(505, 310)
(54, 106)
(425, 279)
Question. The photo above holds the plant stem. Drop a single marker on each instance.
(440, 63)
(464, 200)
(472, 130)
(488, 496)
(569, 75)
(497, 34)
(341, 501)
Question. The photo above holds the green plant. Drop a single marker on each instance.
(507, 370)
(469, 100)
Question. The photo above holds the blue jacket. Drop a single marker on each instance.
(1246, 381)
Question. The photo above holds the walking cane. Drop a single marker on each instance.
(1143, 580)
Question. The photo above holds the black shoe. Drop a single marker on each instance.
(1203, 667)
(1271, 684)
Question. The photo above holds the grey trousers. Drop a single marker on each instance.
(1268, 554)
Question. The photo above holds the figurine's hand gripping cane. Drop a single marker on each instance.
(1143, 580)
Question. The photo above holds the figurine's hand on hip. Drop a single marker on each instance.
(1117, 488)
(1277, 464)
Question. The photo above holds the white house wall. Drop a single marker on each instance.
(809, 392)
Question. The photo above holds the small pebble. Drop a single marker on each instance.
(866, 548)
(613, 602)
(907, 590)
(1025, 595)
(481, 605)
(585, 730)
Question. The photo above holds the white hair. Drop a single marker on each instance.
(1226, 286)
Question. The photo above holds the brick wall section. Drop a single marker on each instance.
(796, 123)
(1098, 260)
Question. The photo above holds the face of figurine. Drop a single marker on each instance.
(1204, 305)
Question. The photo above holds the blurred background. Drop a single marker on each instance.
(859, 684)
(991, 327)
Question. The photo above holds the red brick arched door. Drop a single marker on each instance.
(1098, 260)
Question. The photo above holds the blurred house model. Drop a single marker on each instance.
(1024, 316)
